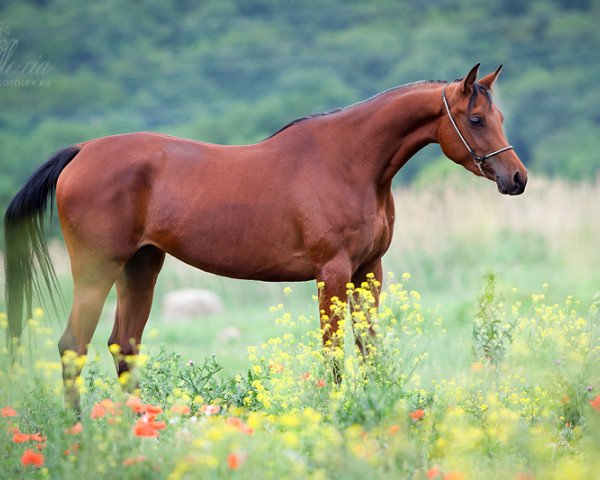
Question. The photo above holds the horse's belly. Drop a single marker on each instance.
(240, 243)
(248, 263)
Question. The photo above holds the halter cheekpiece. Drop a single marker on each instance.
(476, 158)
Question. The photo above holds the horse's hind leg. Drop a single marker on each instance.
(93, 278)
(135, 288)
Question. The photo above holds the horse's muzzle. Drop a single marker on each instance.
(512, 186)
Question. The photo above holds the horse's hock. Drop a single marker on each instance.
(189, 303)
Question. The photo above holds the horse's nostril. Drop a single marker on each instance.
(517, 179)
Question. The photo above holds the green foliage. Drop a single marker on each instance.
(533, 414)
(200, 382)
(492, 333)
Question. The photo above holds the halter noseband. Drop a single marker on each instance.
(476, 158)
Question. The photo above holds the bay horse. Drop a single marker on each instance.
(312, 201)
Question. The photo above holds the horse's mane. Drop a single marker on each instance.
(336, 110)
(477, 90)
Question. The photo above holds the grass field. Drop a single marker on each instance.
(505, 385)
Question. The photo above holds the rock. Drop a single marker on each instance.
(188, 303)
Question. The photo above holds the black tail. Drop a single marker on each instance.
(25, 245)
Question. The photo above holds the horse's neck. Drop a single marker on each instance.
(380, 135)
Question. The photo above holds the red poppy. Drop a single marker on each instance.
(321, 383)
(144, 429)
(36, 437)
(133, 460)
(75, 429)
(30, 457)
(433, 472)
(236, 460)
(417, 415)
(160, 425)
(210, 409)
(153, 409)
(135, 404)
(73, 448)
(104, 407)
(305, 376)
(393, 429)
(7, 412)
(98, 411)
(525, 476)
(179, 409)
(19, 437)
(453, 476)
(595, 403)
(240, 425)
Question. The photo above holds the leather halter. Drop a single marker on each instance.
(476, 158)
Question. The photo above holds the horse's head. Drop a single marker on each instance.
(471, 133)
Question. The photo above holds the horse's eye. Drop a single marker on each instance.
(476, 121)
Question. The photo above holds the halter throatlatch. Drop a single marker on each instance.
(476, 158)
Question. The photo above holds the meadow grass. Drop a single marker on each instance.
(527, 405)
(504, 387)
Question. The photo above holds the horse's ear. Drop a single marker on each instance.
(469, 80)
(489, 80)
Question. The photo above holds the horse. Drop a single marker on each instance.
(311, 202)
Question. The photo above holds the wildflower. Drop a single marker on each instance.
(595, 403)
(236, 460)
(75, 429)
(133, 460)
(240, 425)
(190, 363)
(417, 415)
(152, 409)
(160, 425)
(40, 439)
(210, 409)
(73, 448)
(589, 388)
(476, 367)
(305, 376)
(98, 411)
(30, 457)
(321, 383)
(103, 408)
(19, 437)
(525, 476)
(135, 404)
(433, 472)
(8, 412)
(453, 476)
(393, 429)
(179, 409)
(276, 367)
(144, 429)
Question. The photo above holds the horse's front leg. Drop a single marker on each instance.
(368, 277)
(332, 281)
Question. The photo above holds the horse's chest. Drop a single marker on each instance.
(374, 238)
